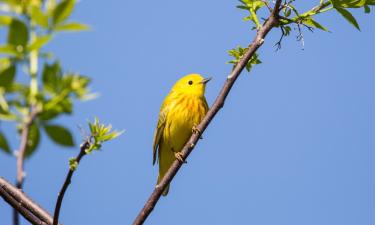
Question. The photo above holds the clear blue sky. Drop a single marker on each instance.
(294, 144)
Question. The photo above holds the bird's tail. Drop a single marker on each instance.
(166, 190)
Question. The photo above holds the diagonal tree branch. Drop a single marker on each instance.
(21, 155)
(23, 204)
(270, 23)
(84, 146)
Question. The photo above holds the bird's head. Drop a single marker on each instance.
(193, 84)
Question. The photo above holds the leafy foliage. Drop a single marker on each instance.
(30, 26)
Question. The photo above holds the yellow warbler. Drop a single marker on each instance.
(182, 109)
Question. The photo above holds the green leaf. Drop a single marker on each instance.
(4, 143)
(39, 17)
(8, 50)
(72, 27)
(5, 62)
(62, 11)
(66, 106)
(348, 16)
(59, 134)
(287, 30)
(287, 12)
(50, 114)
(39, 42)
(33, 140)
(7, 116)
(253, 61)
(51, 77)
(5, 20)
(243, 7)
(18, 33)
(367, 9)
(7, 76)
(348, 3)
(311, 22)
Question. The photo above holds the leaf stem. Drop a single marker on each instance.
(255, 18)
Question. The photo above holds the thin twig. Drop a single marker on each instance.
(267, 5)
(278, 44)
(84, 146)
(300, 37)
(270, 23)
(23, 204)
(21, 154)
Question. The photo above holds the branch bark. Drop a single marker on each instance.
(23, 204)
(21, 155)
(84, 147)
(270, 23)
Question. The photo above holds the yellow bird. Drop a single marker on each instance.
(182, 110)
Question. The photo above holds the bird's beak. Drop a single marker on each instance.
(205, 80)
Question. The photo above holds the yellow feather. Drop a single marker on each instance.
(184, 107)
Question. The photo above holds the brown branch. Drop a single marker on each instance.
(23, 204)
(21, 155)
(84, 147)
(270, 23)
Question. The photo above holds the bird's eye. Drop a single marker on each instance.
(190, 82)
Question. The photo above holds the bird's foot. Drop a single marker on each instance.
(197, 131)
(178, 156)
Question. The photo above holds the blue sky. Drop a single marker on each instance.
(294, 144)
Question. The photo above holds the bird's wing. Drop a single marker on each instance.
(159, 131)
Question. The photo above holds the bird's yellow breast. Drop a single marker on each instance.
(184, 113)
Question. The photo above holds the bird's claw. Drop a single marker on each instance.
(178, 156)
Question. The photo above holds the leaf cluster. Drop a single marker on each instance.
(100, 133)
(238, 53)
(252, 6)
